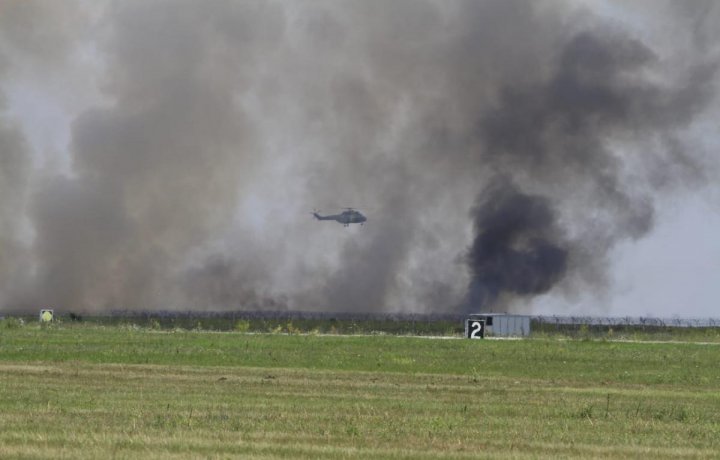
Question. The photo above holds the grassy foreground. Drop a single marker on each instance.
(94, 392)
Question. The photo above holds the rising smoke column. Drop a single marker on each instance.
(518, 249)
(35, 38)
(158, 171)
(557, 136)
(14, 171)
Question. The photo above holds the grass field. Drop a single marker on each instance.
(96, 392)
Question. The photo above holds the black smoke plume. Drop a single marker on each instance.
(518, 249)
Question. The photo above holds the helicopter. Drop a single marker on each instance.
(347, 217)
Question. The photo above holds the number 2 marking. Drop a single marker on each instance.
(476, 328)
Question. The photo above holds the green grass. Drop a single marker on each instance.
(247, 322)
(633, 332)
(96, 392)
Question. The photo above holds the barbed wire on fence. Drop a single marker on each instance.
(626, 321)
(557, 320)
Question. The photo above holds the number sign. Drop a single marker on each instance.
(475, 328)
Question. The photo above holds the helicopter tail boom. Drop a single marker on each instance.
(319, 217)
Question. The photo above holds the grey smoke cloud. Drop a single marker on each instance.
(224, 123)
(14, 175)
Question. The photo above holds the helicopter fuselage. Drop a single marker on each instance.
(346, 217)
